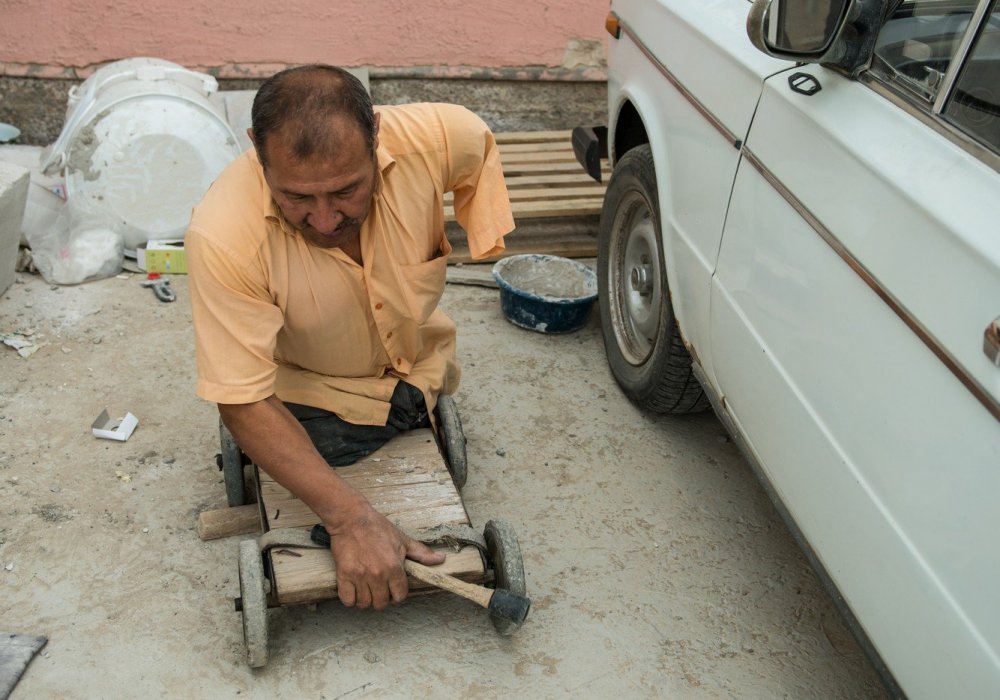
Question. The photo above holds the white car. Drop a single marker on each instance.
(802, 228)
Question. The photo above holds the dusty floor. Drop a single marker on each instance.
(656, 564)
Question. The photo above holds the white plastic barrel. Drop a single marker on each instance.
(141, 144)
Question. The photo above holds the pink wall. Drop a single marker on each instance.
(251, 37)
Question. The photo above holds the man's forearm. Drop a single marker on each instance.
(278, 444)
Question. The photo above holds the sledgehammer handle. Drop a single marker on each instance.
(477, 594)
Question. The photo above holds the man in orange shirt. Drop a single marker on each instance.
(316, 263)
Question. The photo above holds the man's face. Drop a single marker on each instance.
(326, 198)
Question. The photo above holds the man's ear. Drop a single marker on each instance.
(378, 120)
(254, 142)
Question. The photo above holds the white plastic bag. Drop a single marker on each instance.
(77, 247)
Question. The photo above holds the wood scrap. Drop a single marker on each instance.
(226, 522)
(472, 275)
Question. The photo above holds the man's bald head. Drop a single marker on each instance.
(308, 108)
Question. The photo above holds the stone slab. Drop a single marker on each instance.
(13, 196)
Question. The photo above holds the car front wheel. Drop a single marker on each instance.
(641, 337)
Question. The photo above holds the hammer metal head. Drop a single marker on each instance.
(509, 606)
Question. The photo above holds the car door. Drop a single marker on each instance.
(858, 274)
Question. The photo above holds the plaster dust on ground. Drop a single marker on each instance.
(656, 565)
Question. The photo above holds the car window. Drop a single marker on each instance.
(918, 42)
(974, 104)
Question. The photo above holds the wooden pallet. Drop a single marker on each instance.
(556, 205)
(406, 480)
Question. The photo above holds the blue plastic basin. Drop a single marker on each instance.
(545, 293)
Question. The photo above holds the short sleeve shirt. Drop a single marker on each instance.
(276, 315)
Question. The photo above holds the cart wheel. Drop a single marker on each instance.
(453, 439)
(232, 467)
(505, 555)
(254, 603)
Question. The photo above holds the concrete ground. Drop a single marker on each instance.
(656, 564)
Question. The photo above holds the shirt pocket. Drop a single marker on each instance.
(424, 283)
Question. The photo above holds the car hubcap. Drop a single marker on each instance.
(642, 281)
(634, 272)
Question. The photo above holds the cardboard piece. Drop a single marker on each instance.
(110, 429)
(165, 256)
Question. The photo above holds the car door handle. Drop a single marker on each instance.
(804, 84)
(991, 342)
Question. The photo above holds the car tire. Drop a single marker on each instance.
(642, 340)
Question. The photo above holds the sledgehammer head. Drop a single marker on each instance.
(509, 606)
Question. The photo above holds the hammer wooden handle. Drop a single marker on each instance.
(500, 602)
(479, 595)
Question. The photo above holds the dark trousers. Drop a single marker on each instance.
(342, 443)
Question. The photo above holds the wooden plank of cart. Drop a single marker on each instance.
(413, 480)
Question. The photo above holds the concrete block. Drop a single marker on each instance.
(43, 204)
(13, 196)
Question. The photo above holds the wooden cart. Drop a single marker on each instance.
(413, 480)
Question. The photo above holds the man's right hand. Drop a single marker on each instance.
(369, 553)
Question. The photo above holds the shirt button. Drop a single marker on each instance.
(399, 361)
(388, 335)
(378, 306)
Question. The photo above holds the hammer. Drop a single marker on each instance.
(498, 601)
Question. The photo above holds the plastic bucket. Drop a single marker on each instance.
(545, 293)
(141, 144)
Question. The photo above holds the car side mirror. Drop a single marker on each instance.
(801, 26)
(841, 33)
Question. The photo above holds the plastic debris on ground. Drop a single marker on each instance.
(22, 342)
(120, 429)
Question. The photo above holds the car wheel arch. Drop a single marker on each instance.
(629, 130)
